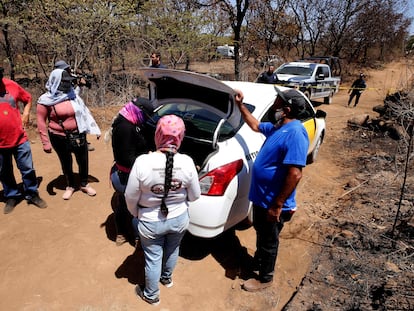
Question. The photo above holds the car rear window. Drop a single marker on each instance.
(200, 122)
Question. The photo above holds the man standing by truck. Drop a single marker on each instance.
(268, 76)
(356, 89)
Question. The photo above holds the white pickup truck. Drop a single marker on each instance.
(313, 79)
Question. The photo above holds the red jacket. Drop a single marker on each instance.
(12, 133)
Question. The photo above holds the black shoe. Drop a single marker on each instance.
(9, 206)
(167, 282)
(140, 293)
(36, 200)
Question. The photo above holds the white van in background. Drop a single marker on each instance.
(225, 50)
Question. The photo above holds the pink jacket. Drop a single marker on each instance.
(65, 113)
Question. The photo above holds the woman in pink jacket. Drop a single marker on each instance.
(63, 120)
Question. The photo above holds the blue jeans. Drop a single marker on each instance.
(119, 179)
(160, 242)
(23, 157)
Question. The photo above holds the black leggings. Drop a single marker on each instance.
(64, 151)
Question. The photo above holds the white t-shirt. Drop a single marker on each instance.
(145, 186)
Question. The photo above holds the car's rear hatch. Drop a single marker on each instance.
(205, 104)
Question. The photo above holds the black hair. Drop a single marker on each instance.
(158, 54)
(169, 164)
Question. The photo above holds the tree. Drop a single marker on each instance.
(311, 19)
(175, 27)
(10, 11)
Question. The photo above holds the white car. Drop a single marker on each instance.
(222, 146)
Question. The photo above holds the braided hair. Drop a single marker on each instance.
(169, 164)
(169, 134)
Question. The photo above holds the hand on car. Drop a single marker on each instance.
(239, 97)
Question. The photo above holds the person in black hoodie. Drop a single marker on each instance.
(357, 87)
(128, 142)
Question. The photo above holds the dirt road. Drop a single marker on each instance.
(64, 257)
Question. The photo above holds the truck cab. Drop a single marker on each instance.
(313, 79)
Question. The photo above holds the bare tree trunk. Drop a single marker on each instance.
(8, 49)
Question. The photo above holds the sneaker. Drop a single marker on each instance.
(90, 148)
(9, 206)
(167, 282)
(120, 239)
(88, 190)
(36, 200)
(140, 293)
(253, 285)
(68, 193)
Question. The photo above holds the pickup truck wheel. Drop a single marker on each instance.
(328, 100)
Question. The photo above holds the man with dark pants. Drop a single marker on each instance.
(15, 144)
(275, 175)
(357, 87)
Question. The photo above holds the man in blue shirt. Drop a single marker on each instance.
(275, 175)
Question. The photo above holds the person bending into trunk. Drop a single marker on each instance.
(128, 142)
(160, 185)
(275, 175)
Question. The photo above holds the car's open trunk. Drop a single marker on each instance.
(197, 148)
(205, 104)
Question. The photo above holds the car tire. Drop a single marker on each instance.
(314, 154)
(328, 99)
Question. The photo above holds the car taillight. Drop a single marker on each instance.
(216, 181)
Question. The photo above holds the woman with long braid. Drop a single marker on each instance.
(160, 185)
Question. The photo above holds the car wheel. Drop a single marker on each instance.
(314, 154)
(328, 99)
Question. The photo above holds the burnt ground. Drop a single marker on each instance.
(366, 259)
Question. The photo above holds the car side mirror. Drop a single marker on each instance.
(320, 114)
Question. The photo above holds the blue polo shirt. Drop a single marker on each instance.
(284, 146)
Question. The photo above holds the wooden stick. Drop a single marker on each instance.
(356, 187)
